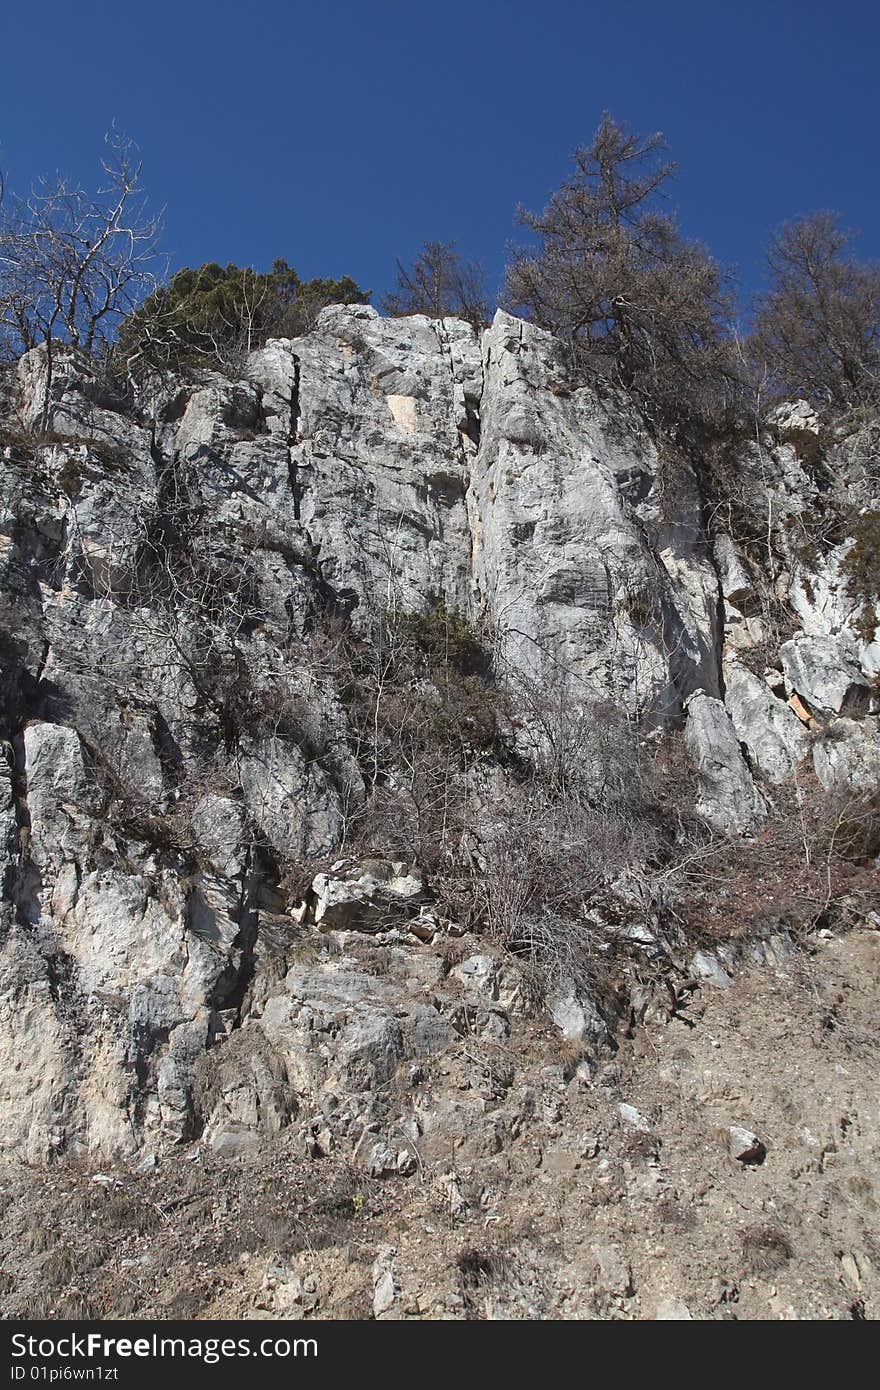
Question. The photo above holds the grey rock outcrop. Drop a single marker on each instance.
(368, 897)
(727, 799)
(796, 422)
(775, 737)
(380, 417)
(846, 757)
(181, 758)
(563, 494)
(825, 676)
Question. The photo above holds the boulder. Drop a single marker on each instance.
(369, 897)
(798, 423)
(727, 799)
(846, 756)
(737, 585)
(673, 1310)
(775, 737)
(335, 1021)
(744, 1146)
(708, 969)
(577, 1017)
(612, 1275)
(823, 673)
(385, 1287)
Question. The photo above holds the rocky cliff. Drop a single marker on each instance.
(213, 927)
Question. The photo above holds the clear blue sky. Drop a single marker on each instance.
(340, 134)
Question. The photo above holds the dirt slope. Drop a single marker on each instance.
(583, 1210)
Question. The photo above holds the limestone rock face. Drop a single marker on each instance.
(182, 774)
(379, 415)
(563, 497)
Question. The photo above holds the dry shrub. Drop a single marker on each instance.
(765, 1249)
(185, 1305)
(315, 1220)
(123, 1211)
(811, 865)
(423, 713)
(478, 1267)
(586, 815)
(59, 1267)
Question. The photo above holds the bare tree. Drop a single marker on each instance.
(440, 285)
(612, 276)
(73, 263)
(817, 329)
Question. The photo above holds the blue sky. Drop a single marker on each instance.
(340, 135)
